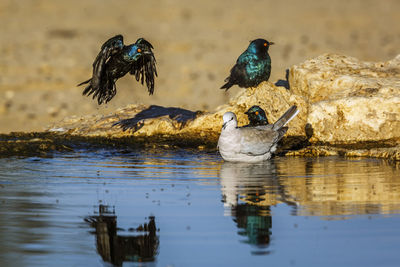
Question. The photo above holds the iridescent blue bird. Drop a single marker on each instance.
(252, 67)
(256, 116)
(114, 61)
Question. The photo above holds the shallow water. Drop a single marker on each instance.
(189, 208)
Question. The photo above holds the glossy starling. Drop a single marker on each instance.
(252, 67)
(256, 116)
(114, 61)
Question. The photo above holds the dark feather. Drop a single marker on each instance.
(111, 47)
(145, 68)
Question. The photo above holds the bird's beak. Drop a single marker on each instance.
(271, 43)
(247, 113)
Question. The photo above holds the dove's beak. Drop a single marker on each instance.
(271, 43)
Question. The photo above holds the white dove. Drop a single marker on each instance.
(251, 144)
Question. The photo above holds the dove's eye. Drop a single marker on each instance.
(139, 50)
(256, 112)
(265, 44)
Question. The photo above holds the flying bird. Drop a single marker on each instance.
(252, 67)
(114, 61)
(251, 144)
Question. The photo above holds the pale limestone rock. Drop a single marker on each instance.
(356, 119)
(349, 101)
(274, 100)
(346, 101)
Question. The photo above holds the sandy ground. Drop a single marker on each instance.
(47, 47)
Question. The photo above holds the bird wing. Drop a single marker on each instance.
(246, 57)
(144, 42)
(107, 50)
(96, 84)
(144, 69)
(257, 141)
(238, 73)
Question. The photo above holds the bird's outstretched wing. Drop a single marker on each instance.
(109, 48)
(144, 42)
(144, 69)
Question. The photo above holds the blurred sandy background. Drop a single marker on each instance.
(48, 46)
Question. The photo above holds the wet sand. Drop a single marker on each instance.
(47, 48)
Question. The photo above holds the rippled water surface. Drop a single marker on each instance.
(189, 208)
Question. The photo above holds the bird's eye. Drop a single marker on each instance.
(256, 112)
(139, 50)
(265, 44)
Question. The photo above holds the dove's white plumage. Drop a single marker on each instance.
(251, 144)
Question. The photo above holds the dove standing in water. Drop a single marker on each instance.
(251, 144)
(252, 67)
(114, 61)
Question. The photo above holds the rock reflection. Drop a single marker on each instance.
(326, 187)
(248, 190)
(115, 248)
(332, 186)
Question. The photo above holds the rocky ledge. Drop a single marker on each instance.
(347, 107)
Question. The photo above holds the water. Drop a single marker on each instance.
(189, 208)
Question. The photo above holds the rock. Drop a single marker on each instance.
(343, 103)
(390, 153)
(31, 144)
(349, 101)
(275, 101)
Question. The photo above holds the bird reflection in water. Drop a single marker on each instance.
(254, 222)
(115, 248)
(246, 192)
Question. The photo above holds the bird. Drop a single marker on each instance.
(251, 144)
(114, 61)
(110, 47)
(252, 67)
(256, 116)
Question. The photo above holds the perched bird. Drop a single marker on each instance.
(251, 144)
(252, 67)
(114, 61)
(256, 116)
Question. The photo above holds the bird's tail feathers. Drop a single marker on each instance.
(227, 86)
(282, 132)
(285, 118)
(104, 93)
(88, 90)
(85, 82)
